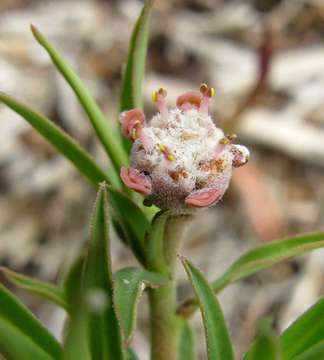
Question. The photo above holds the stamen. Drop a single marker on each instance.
(228, 139)
(207, 93)
(167, 153)
(154, 96)
(159, 97)
(134, 132)
(211, 92)
(203, 88)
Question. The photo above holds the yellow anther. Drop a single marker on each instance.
(154, 96)
(224, 141)
(231, 137)
(167, 153)
(158, 94)
(228, 139)
(206, 90)
(203, 88)
(211, 92)
(163, 92)
(134, 129)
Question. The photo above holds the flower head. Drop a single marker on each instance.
(180, 158)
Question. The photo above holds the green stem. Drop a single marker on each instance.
(163, 250)
(164, 323)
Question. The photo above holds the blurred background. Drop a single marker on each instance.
(266, 60)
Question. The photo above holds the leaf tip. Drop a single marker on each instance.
(37, 34)
(185, 262)
(2, 95)
(102, 185)
(33, 29)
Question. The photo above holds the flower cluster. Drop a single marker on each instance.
(180, 158)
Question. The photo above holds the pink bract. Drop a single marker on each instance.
(132, 123)
(203, 198)
(135, 180)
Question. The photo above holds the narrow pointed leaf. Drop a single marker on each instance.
(131, 355)
(267, 255)
(304, 333)
(76, 344)
(104, 330)
(187, 342)
(104, 130)
(316, 352)
(132, 87)
(133, 75)
(130, 217)
(129, 283)
(62, 142)
(41, 288)
(266, 345)
(76, 341)
(259, 258)
(71, 280)
(218, 340)
(22, 321)
(15, 345)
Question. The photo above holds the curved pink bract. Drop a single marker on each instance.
(132, 123)
(133, 179)
(203, 198)
(189, 100)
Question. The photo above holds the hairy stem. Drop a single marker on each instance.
(164, 320)
(164, 324)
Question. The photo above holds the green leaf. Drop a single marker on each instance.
(129, 283)
(267, 255)
(187, 343)
(132, 87)
(266, 345)
(304, 333)
(17, 322)
(260, 258)
(62, 142)
(105, 333)
(15, 345)
(218, 341)
(76, 344)
(71, 280)
(45, 290)
(316, 352)
(132, 222)
(131, 355)
(102, 127)
(133, 75)
(130, 217)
